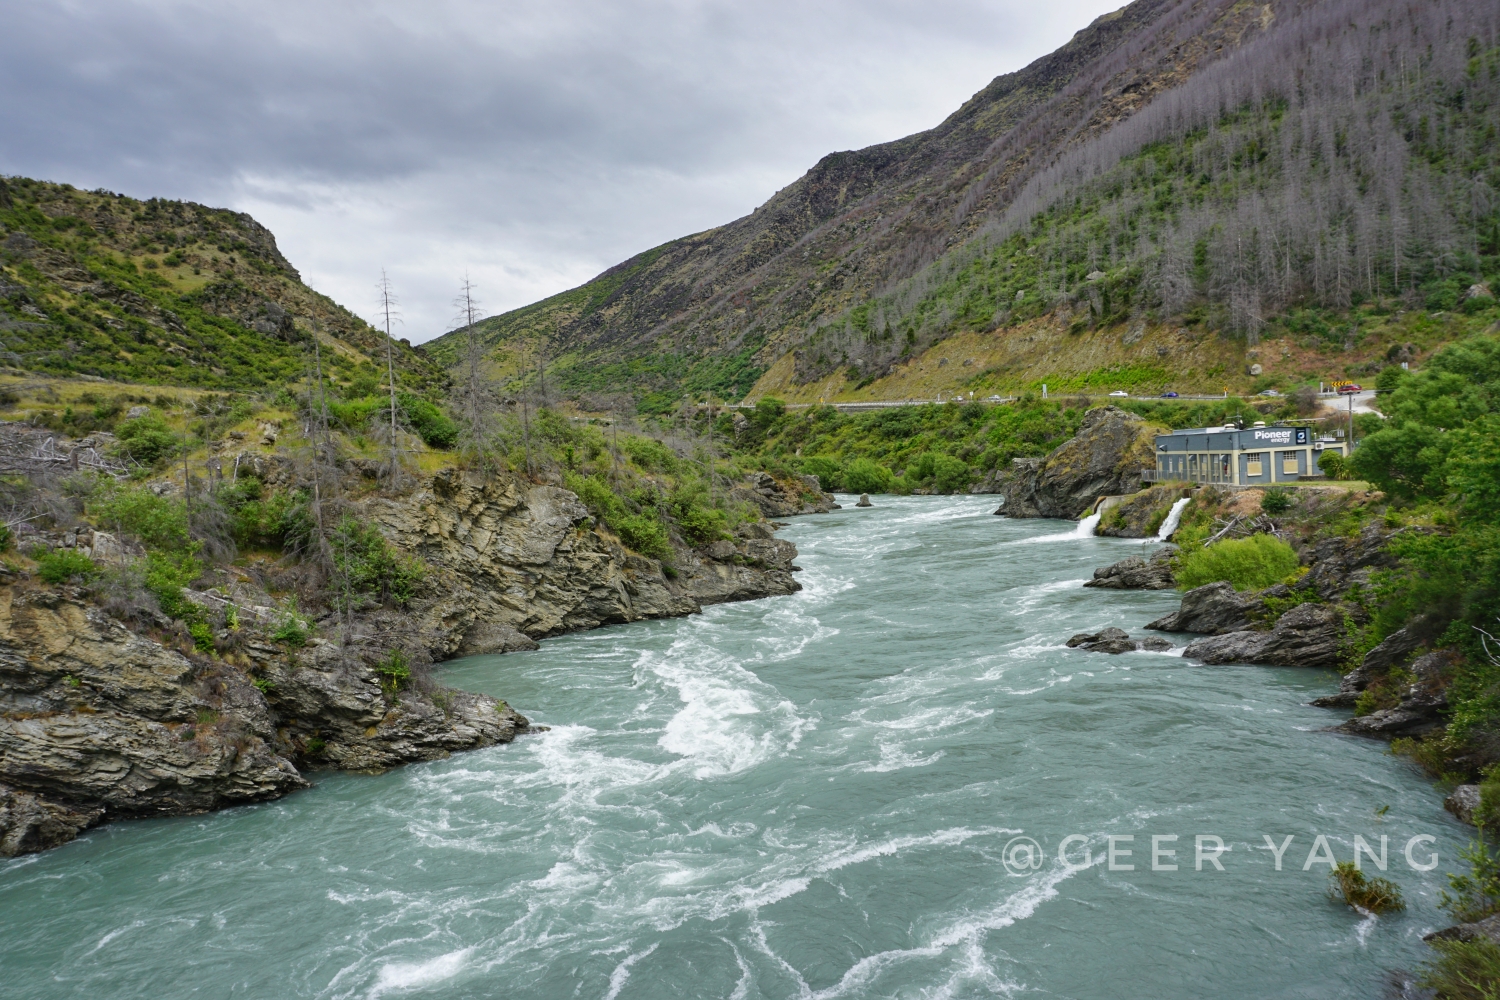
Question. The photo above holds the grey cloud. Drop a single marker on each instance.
(535, 143)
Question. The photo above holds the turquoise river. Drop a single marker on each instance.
(813, 796)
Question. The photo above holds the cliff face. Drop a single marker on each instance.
(515, 562)
(1105, 458)
(100, 721)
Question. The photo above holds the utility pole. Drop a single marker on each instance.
(1351, 423)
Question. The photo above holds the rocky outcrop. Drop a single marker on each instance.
(777, 498)
(1487, 929)
(1105, 458)
(512, 562)
(99, 722)
(1394, 652)
(1309, 635)
(1464, 803)
(1422, 704)
(1340, 562)
(1115, 640)
(29, 823)
(1135, 573)
(1138, 515)
(1212, 609)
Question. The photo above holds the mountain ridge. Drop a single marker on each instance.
(861, 264)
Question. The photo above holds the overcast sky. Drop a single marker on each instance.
(532, 143)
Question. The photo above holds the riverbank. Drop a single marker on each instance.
(676, 829)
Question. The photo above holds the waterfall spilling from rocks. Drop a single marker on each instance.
(1174, 517)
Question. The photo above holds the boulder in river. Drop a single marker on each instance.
(1105, 458)
(1309, 635)
(1115, 640)
(864, 500)
(1135, 573)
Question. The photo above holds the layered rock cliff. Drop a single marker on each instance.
(100, 719)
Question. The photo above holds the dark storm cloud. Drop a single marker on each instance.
(533, 143)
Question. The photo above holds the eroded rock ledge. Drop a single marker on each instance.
(102, 721)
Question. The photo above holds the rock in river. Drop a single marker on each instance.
(1136, 573)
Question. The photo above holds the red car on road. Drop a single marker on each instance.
(1350, 389)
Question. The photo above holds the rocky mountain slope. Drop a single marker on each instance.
(1113, 185)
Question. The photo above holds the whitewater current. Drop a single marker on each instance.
(818, 796)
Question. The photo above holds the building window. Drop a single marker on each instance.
(1289, 463)
(1252, 465)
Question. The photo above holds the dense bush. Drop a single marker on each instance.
(430, 423)
(1277, 500)
(62, 565)
(830, 474)
(864, 475)
(159, 522)
(147, 439)
(1248, 563)
(368, 565)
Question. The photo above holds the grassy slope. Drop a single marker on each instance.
(166, 293)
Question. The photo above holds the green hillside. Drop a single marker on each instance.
(167, 293)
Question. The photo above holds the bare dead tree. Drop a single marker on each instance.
(387, 307)
(476, 391)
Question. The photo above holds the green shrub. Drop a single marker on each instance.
(369, 565)
(949, 474)
(650, 454)
(1475, 895)
(1463, 970)
(1333, 465)
(203, 636)
(166, 575)
(699, 521)
(159, 522)
(864, 475)
(291, 632)
(394, 672)
(644, 533)
(430, 423)
(1248, 563)
(62, 565)
(1277, 500)
(147, 439)
(266, 521)
(1375, 895)
(830, 474)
